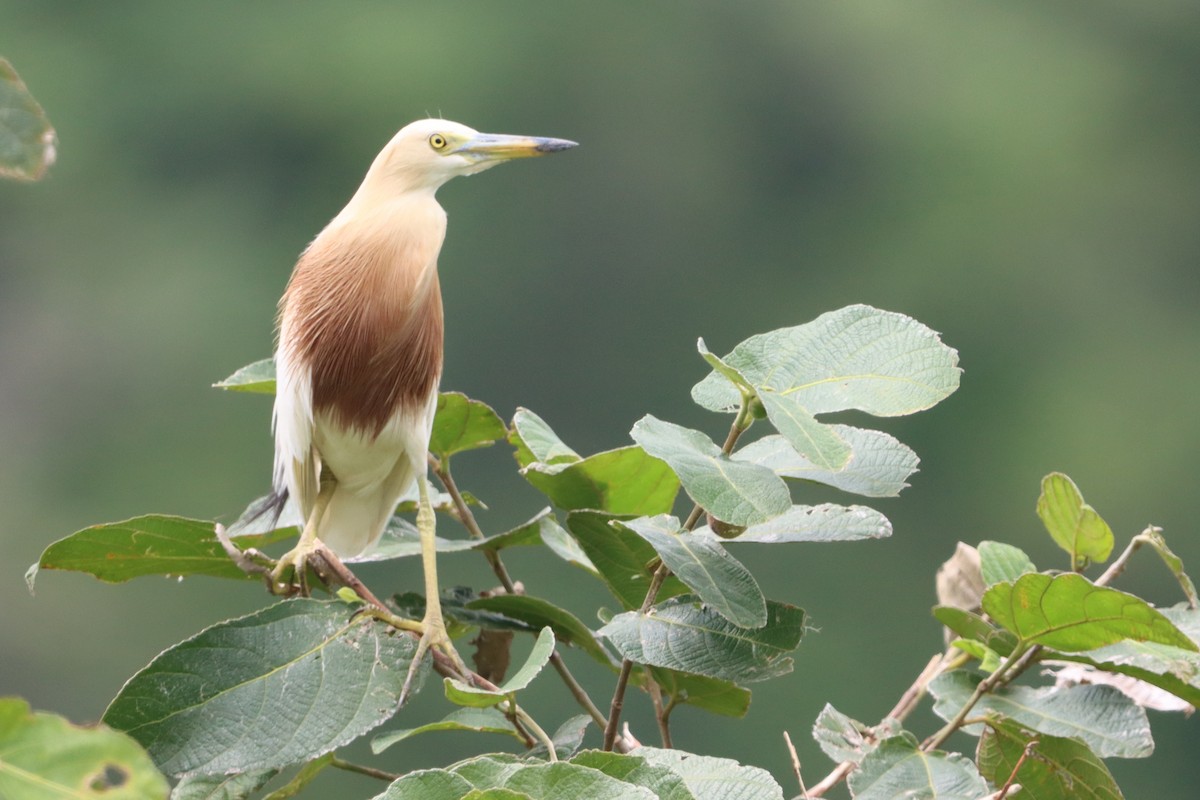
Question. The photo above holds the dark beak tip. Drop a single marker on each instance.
(555, 145)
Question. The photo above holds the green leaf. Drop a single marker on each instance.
(537, 614)
(622, 558)
(477, 720)
(976, 628)
(699, 560)
(536, 442)
(845, 739)
(238, 786)
(495, 794)
(463, 424)
(989, 660)
(879, 464)
(567, 739)
(1058, 769)
(27, 142)
(824, 523)
(282, 685)
(564, 546)
(557, 781)
(155, 544)
(465, 694)
(898, 768)
(1001, 562)
(685, 635)
(665, 784)
(709, 778)
(733, 491)
(1153, 536)
(256, 378)
(622, 481)
(814, 441)
(44, 757)
(710, 694)
(1107, 721)
(428, 784)
(1069, 613)
(1169, 668)
(858, 357)
(1073, 524)
(726, 371)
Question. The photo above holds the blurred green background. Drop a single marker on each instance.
(1023, 177)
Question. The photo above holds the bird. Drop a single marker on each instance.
(359, 353)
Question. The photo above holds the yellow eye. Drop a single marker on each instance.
(437, 141)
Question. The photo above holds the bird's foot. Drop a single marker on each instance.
(433, 635)
(289, 577)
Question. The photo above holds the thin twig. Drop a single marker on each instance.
(370, 772)
(1117, 567)
(795, 763)
(1008, 785)
(467, 518)
(661, 712)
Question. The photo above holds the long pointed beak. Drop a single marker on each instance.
(502, 147)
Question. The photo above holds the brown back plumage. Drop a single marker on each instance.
(364, 314)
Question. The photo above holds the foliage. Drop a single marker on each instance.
(27, 142)
(270, 698)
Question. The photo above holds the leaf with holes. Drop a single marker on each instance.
(44, 756)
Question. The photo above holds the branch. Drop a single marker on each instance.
(740, 423)
(467, 518)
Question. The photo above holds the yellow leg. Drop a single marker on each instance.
(433, 625)
(296, 559)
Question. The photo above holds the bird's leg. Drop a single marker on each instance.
(433, 625)
(297, 558)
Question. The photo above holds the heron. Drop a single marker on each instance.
(359, 354)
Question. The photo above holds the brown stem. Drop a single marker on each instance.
(370, 772)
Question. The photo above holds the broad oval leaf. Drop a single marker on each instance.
(536, 442)
(1059, 769)
(154, 544)
(710, 778)
(622, 558)
(45, 756)
(685, 635)
(999, 562)
(975, 628)
(710, 694)
(699, 560)
(1070, 613)
(622, 481)
(879, 464)
(567, 781)
(817, 442)
(27, 142)
(665, 783)
(732, 491)
(898, 768)
(463, 424)
(858, 357)
(280, 686)
(1109, 722)
(823, 523)
(428, 784)
(1073, 524)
